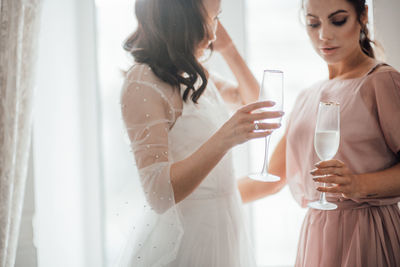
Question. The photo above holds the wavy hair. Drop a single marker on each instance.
(167, 37)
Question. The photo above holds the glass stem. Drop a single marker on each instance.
(322, 197)
(265, 166)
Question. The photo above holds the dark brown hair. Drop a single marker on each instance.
(365, 41)
(167, 37)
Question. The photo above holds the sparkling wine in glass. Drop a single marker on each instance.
(326, 143)
(272, 90)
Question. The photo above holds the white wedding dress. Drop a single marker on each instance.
(207, 228)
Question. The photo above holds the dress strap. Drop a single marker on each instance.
(375, 67)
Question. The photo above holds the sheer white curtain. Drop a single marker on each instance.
(18, 47)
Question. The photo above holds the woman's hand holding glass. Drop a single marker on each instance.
(245, 124)
(344, 180)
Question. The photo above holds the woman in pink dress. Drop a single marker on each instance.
(365, 173)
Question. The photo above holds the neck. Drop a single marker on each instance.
(352, 67)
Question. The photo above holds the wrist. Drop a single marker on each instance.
(229, 50)
(220, 142)
(366, 190)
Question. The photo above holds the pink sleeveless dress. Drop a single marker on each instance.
(361, 232)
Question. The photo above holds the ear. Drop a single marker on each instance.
(364, 16)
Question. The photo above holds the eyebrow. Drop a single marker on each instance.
(331, 15)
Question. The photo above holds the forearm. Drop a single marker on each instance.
(380, 184)
(248, 86)
(186, 175)
(251, 190)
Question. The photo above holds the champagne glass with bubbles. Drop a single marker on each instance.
(326, 143)
(272, 90)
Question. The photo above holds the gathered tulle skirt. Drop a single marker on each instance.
(353, 235)
(214, 233)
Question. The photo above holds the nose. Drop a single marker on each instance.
(325, 33)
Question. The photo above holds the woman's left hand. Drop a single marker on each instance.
(223, 40)
(337, 173)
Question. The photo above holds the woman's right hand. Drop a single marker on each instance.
(244, 126)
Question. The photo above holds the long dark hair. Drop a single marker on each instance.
(167, 37)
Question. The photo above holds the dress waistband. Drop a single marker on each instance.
(210, 195)
(346, 204)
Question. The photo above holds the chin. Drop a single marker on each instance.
(331, 59)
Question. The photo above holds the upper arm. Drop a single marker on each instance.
(228, 90)
(147, 116)
(386, 89)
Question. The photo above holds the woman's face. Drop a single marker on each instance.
(333, 29)
(213, 9)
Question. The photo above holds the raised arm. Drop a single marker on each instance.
(247, 89)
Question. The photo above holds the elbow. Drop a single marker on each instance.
(158, 190)
(159, 204)
(280, 185)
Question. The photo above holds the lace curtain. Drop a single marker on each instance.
(19, 23)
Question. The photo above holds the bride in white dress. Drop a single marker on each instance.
(181, 134)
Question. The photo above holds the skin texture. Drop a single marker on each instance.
(186, 175)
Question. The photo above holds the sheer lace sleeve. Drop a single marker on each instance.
(148, 115)
(149, 111)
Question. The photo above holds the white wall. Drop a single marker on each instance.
(387, 29)
(58, 228)
(66, 157)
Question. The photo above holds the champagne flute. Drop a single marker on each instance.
(271, 89)
(326, 143)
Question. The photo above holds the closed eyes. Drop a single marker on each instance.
(339, 22)
(334, 22)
